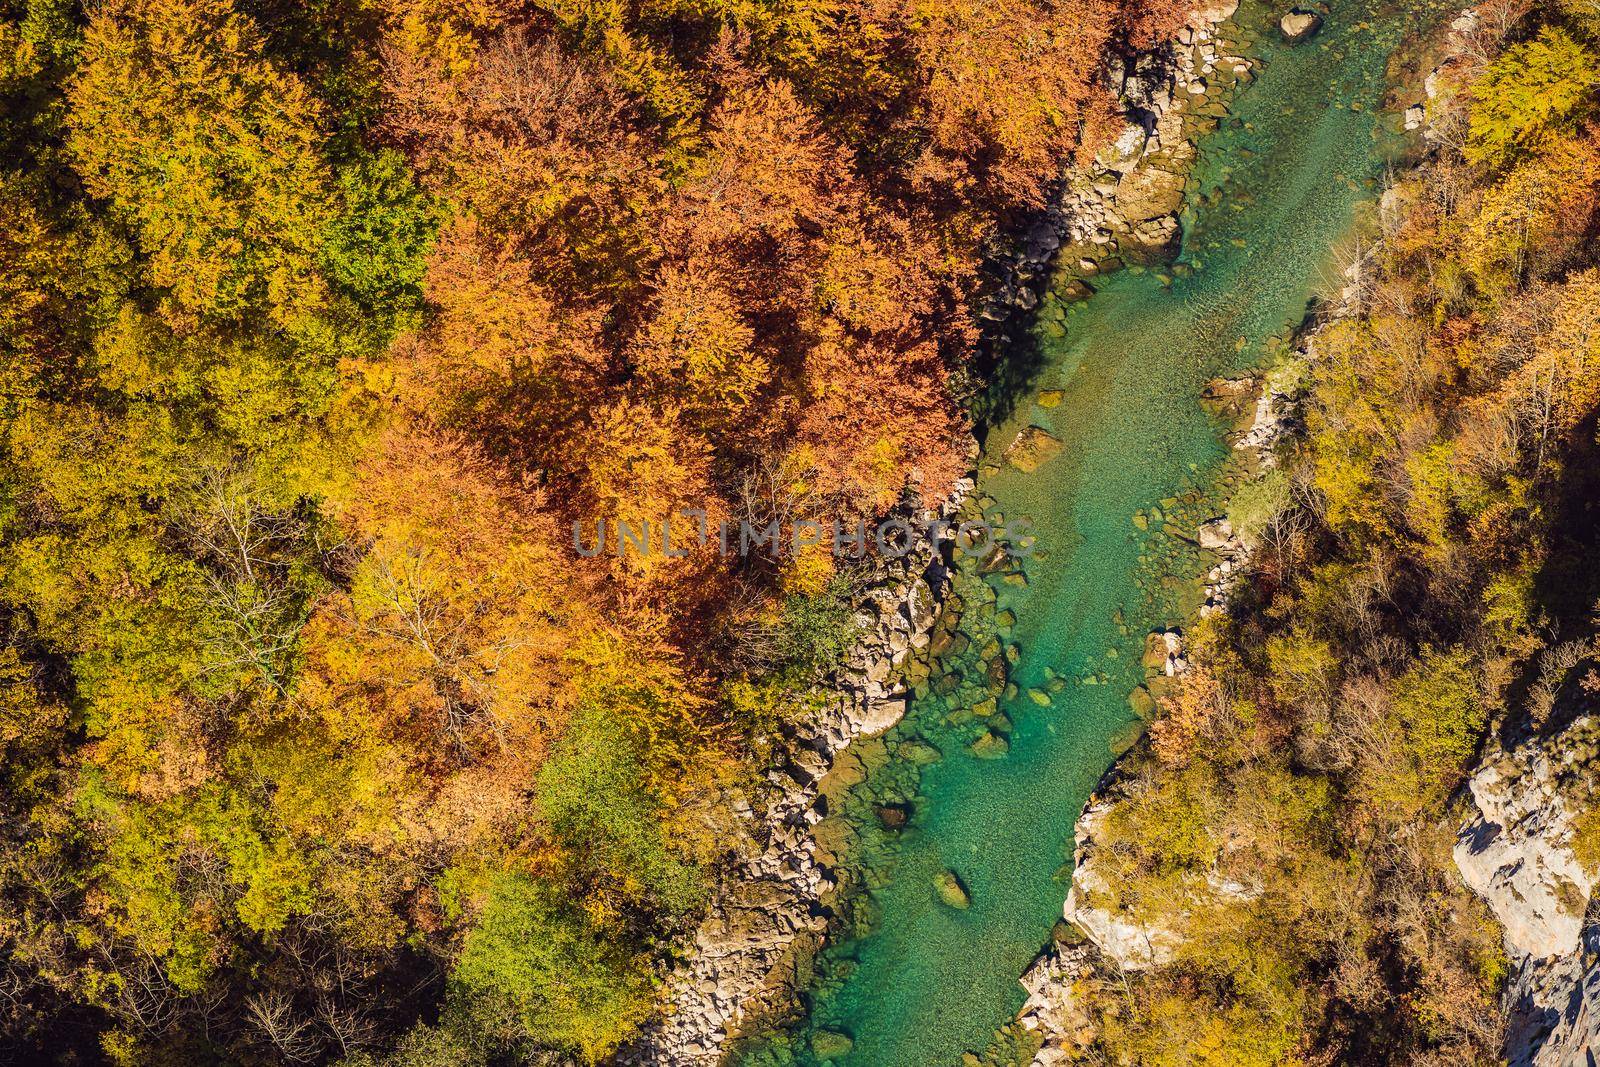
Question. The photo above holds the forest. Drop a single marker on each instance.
(325, 324)
(321, 324)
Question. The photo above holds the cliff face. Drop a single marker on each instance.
(1516, 853)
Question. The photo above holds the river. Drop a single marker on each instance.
(1276, 190)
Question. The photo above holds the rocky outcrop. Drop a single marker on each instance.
(1121, 936)
(1054, 1011)
(769, 900)
(1516, 853)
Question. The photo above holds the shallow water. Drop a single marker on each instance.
(1275, 191)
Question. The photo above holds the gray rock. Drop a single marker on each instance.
(1216, 535)
(1516, 853)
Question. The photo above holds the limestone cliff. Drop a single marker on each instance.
(1516, 851)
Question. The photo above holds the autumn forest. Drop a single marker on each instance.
(324, 324)
(321, 324)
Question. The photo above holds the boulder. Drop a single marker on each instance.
(951, 892)
(893, 816)
(1299, 25)
(990, 746)
(1215, 535)
(1150, 193)
(1033, 448)
(1152, 241)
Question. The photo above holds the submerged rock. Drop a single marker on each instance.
(990, 746)
(831, 1045)
(951, 892)
(1033, 448)
(894, 816)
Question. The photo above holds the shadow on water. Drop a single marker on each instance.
(1010, 368)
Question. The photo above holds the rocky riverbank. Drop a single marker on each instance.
(1053, 1012)
(1118, 940)
(1520, 848)
(1123, 207)
(770, 889)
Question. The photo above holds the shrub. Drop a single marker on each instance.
(534, 969)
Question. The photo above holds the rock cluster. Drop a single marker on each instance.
(1053, 1010)
(1123, 207)
(1457, 57)
(1163, 651)
(1275, 415)
(771, 887)
(1516, 853)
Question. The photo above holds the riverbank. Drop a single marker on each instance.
(1294, 820)
(1096, 943)
(768, 897)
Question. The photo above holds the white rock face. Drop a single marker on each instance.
(1516, 853)
(1122, 936)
